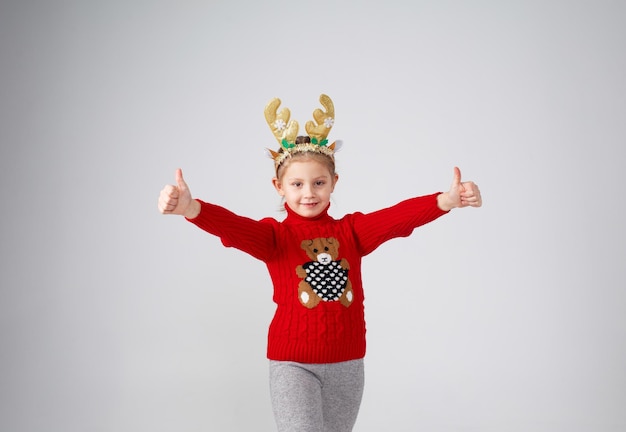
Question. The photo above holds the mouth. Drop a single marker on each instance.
(309, 205)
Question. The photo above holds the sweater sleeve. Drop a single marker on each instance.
(256, 238)
(373, 229)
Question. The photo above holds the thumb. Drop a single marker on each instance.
(457, 177)
(456, 181)
(182, 185)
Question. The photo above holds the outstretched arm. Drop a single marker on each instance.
(461, 194)
(256, 238)
(176, 199)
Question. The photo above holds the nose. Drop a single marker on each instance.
(308, 191)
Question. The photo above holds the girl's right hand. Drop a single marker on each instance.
(176, 199)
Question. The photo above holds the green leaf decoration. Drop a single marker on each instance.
(286, 144)
(319, 143)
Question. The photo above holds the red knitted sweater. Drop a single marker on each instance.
(315, 266)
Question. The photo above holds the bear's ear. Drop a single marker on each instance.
(305, 244)
(333, 241)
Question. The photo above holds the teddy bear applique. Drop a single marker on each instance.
(324, 278)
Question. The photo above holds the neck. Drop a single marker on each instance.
(292, 216)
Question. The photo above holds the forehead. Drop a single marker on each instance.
(306, 168)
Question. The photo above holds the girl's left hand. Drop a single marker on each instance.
(461, 194)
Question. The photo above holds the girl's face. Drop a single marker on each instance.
(306, 186)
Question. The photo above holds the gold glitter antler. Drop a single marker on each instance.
(284, 130)
(324, 121)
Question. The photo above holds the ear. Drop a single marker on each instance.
(333, 241)
(335, 182)
(278, 186)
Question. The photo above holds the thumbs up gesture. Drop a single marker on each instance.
(176, 199)
(461, 194)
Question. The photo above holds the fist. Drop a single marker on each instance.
(176, 199)
(467, 194)
(461, 194)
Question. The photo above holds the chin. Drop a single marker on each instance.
(310, 211)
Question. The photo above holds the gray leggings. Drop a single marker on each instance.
(316, 397)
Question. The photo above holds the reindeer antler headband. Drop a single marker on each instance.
(285, 131)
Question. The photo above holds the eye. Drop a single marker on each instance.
(315, 250)
(296, 184)
(326, 249)
(320, 183)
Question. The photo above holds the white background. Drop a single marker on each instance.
(511, 317)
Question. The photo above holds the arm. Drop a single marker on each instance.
(253, 237)
(373, 229)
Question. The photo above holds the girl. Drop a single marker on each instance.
(316, 341)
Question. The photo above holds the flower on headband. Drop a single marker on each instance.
(280, 125)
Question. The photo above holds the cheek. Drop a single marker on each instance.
(289, 193)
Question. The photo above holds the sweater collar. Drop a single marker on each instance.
(295, 218)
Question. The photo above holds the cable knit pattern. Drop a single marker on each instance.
(330, 331)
